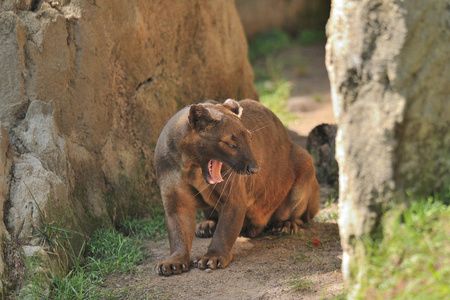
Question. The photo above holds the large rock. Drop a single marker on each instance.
(86, 88)
(321, 144)
(389, 67)
(290, 15)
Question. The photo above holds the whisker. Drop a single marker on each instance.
(212, 190)
(226, 173)
(253, 131)
(218, 200)
(231, 188)
(207, 185)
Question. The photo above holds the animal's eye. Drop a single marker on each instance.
(232, 146)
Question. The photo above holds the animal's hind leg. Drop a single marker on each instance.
(302, 202)
(287, 218)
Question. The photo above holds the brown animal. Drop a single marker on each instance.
(203, 156)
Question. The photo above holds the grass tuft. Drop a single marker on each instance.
(299, 284)
(274, 94)
(412, 259)
(267, 43)
(154, 227)
(108, 251)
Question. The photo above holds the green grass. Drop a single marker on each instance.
(298, 256)
(323, 217)
(310, 36)
(412, 259)
(297, 283)
(108, 251)
(274, 94)
(52, 232)
(267, 43)
(273, 89)
(154, 227)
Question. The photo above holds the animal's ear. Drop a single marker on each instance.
(200, 117)
(212, 102)
(234, 106)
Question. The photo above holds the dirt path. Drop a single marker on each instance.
(267, 267)
(262, 268)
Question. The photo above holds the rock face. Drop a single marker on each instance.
(291, 15)
(87, 86)
(389, 67)
(321, 144)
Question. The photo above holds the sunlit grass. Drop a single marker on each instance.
(412, 259)
(274, 95)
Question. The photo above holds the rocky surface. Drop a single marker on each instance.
(388, 63)
(86, 88)
(321, 144)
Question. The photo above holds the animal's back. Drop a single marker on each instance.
(273, 149)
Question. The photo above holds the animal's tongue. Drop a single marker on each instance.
(214, 171)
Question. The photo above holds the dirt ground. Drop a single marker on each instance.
(267, 267)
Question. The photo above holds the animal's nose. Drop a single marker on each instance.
(252, 169)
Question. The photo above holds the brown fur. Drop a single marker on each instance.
(282, 189)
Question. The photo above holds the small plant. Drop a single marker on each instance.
(78, 284)
(267, 43)
(327, 216)
(299, 284)
(412, 258)
(309, 37)
(297, 257)
(110, 250)
(330, 201)
(38, 282)
(274, 96)
(52, 233)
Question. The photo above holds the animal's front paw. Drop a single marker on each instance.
(172, 267)
(205, 229)
(213, 261)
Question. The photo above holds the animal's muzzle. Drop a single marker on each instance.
(252, 169)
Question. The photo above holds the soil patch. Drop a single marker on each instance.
(263, 268)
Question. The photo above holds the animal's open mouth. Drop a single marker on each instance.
(214, 170)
